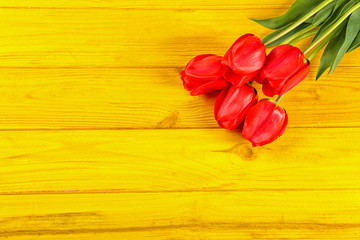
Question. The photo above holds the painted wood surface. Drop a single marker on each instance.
(100, 140)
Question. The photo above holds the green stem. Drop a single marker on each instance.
(333, 27)
(300, 21)
(279, 98)
(308, 34)
(296, 35)
(312, 55)
(322, 44)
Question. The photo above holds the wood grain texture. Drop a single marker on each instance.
(143, 4)
(91, 184)
(204, 160)
(233, 215)
(99, 139)
(136, 38)
(153, 98)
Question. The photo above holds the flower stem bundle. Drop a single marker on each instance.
(332, 24)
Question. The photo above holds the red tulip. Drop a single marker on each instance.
(245, 58)
(204, 74)
(233, 104)
(264, 123)
(285, 67)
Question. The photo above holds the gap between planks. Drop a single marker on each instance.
(208, 226)
(124, 67)
(135, 129)
(158, 8)
(124, 191)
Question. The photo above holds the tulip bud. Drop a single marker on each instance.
(245, 58)
(264, 123)
(285, 67)
(204, 74)
(232, 105)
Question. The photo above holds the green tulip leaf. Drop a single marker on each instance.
(330, 53)
(352, 29)
(355, 44)
(340, 3)
(323, 14)
(341, 10)
(271, 35)
(283, 38)
(299, 9)
(310, 20)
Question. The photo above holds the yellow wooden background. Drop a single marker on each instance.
(99, 140)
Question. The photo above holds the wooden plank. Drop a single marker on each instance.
(82, 38)
(153, 98)
(175, 4)
(92, 64)
(208, 160)
(233, 215)
(205, 233)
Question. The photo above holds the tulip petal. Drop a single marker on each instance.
(259, 78)
(265, 122)
(284, 125)
(282, 63)
(218, 103)
(205, 67)
(247, 55)
(189, 83)
(268, 90)
(274, 128)
(186, 82)
(232, 105)
(256, 116)
(228, 55)
(209, 87)
(296, 79)
(236, 79)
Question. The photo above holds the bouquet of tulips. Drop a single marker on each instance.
(332, 23)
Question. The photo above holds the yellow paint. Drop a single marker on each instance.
(100, 140)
